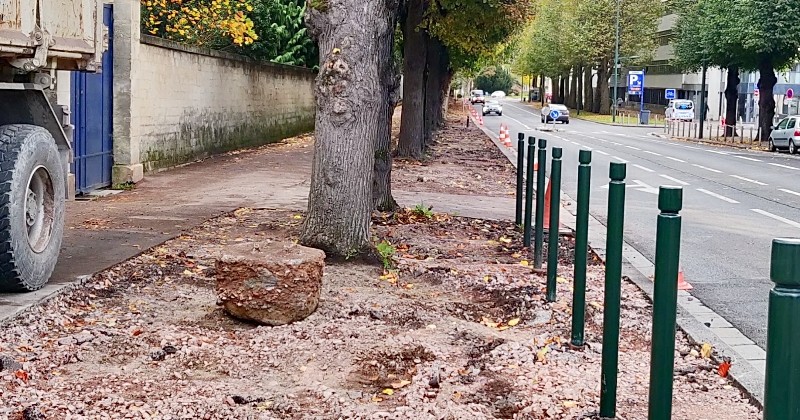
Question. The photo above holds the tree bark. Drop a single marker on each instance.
(731, 99)
(433, 80)
(573, 88)
(382, 175)
(603, 89)
(354, 38)
(412, 121)
(447, 78)
(588, 89)
(766, 102)
(542, 91)
(578, 75)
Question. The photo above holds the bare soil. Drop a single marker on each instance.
(457, 329)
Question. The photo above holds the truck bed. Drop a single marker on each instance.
(74, 26)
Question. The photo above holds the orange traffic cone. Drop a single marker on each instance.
(480, 120)
(507, 142)
(502, 137)
(547, 206)
(682, 284)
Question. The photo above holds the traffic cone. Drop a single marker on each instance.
(502, 137)
(480, 120)
(507, 142)
(547, 206)
(682, 284)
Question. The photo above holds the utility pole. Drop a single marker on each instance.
(616, 65)
(703, 100)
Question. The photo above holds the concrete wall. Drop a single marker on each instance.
(174, 104)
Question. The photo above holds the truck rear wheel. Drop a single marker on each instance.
(31, 207)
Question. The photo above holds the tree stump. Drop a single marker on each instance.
(270, 283)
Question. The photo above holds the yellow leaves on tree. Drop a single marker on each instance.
(214, 23)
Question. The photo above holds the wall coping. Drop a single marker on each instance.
(176, 46)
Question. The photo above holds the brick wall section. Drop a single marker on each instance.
(187, 103)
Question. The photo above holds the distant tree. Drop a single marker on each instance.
(215, 25)
(495, 79)
(282, 35)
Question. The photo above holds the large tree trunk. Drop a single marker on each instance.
(573, 88)
(542, 90)
(731, 99)
(603, 89)
(412, 121)
(579, 87)
(433, 80)
(588, 89)
(354, 38)
(447, 79)
(766, 102)
(382, 175)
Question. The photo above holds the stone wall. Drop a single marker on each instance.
(174, 104)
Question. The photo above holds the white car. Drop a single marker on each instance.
(680, 109)
(492, 107)
(498, 94)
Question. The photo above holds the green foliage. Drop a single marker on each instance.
(282, 35)
(386, 251)
(495, 79)
(422, 211)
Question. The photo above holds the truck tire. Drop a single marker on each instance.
(31, 207)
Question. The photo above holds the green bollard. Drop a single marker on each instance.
(665, 302)
(581, 248)
(613, 284)
(526, 241)
(520, 177)
(782, 390)
(541, 174)
(552, 238)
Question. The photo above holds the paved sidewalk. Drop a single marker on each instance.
(110, 230)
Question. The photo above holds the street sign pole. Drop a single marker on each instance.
(641, 105)
(703, 101)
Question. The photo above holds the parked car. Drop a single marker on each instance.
(492, 107)
(680, 109)
(562, 110)
(477, 97)
(498, 94)
(786, 135)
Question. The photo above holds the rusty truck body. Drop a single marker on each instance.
(37, 38)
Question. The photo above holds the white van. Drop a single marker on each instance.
(680, 109)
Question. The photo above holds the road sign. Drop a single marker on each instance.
(755, 92)
(635, 82)
(639, 186)
(669, 93)
(554, 114)
(790, 93)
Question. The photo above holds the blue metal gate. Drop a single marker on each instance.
(92, 95)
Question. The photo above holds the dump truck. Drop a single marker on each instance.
(37, 38)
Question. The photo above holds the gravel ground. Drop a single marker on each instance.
(459, 329)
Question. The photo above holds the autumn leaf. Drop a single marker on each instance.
(706, 350)
(569, 404)
(561, 279)
(137, 332)
(540, 355)
(400, 384)
(388, 391)
(524, 263)
(21, 375)
(488, 322)
(505, 240)
(513, 322)
(724, 367)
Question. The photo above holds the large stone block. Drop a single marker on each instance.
(270, 283)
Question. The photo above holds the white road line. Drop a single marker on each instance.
(748, 158)
(634, 148)
(652, 153)
(643, 168)
(522, 109)
(789, 191)
(749, 180)
(602, 152)
(675, 159)
(776, 217)
(520, 122)
(785, 166)
(715, 195)
(706, 168)
(692, 147)
(718, 152)
(675, 180)
(615, 143)
(620, 159)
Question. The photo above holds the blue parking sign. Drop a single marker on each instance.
(635, 82)
(669, 94)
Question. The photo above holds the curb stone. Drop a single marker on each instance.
(693, 318)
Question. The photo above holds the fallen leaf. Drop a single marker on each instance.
(297, 216)
(457, 395)
(376, 398)
(21, 375)
(513, 322)
(569, 404)
(724, 367)
(505, 240)
(486, 279)
(706, 350)
(388, 391)
(137, 331)
(523, 263)
(488, 322)
(540, 355)
(596, 305)
(400, 384)
(561, 280)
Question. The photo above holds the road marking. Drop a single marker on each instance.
(692, 147)
(785, 166)
(706, 168)
(520, 122)
(615, 143)
(634, 148)
(776, 217)
(602, 152)
(643, 168)
(675, 159)
(620, 159)
(715, 195)
(718, 152)
(678, 181)
(652, 153)
(522, 109)
(638, 186)
(789, 191)
(749, 180)
(748, 158)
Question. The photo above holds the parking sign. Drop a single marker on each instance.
(669, 93)
(635, 82)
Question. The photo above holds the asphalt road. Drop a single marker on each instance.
(735, 202)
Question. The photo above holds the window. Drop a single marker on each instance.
(783, 124)
(684, 105)
(792, 123)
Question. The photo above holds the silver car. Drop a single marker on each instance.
(786, 135)
(563, 113)
(492, 107)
